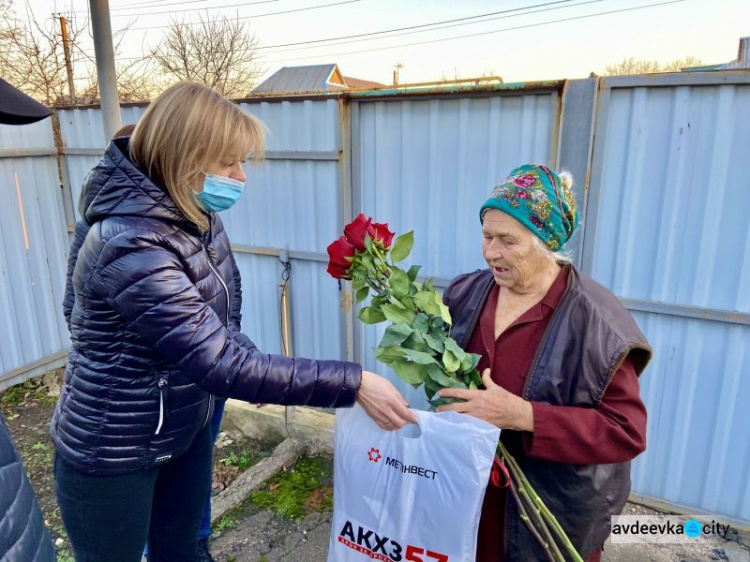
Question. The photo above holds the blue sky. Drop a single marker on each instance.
(707, 29)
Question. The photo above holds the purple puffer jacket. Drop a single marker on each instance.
(153, 311)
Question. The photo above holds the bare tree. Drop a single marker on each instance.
(635, 66)
(218, 52)
(135, 82)
(680, 64)
(32, 57)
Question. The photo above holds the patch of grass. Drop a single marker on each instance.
(243, 461)
(13, 396)
(45, 398)
(300, 491)
(225, 523)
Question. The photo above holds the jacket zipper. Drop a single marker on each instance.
(226, 292)
(162, 403)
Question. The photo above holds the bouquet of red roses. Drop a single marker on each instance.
(417, 344)
(418, 347)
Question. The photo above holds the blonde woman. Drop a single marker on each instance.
(153, 308)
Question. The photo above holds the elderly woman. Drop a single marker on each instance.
(561, 359)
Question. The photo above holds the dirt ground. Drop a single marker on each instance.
(28, 409)
(290, 518)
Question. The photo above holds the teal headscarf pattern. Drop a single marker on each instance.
(537, 197)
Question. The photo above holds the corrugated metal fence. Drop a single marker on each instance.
(667, 230)
(33, 248)
(663, 181)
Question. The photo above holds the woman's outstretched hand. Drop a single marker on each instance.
(383, 403)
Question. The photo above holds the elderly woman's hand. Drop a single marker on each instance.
(494, 405)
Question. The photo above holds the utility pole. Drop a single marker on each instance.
(397, 68)
(105, 66)
(68, 61)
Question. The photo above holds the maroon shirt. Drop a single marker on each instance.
(613, 432)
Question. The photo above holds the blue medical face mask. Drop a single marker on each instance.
(219, 192)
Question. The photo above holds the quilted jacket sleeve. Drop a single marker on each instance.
(144, 282)
(23, 535)
(79, 235)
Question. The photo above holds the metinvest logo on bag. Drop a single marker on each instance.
(373, 455)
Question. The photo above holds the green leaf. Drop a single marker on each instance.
(473, 386)
(416, 342)
(425, 301)
(413, 373)
(419, 357)
(452, 346)
(437, 375)
(444, 312)
(413, 272)
(470, 362)
(402, 247)
(429, 284)
(476, 378)
(357, 283)
(398, 315)
(443, 401)
(371, 315)
(395, 334)
(390, 354)
(435, 344)
(421, 323)
(430, 388)
(399, 282)
(368, 261)
(451, 362)
(362, 294)
(368, 243)
(397, 303)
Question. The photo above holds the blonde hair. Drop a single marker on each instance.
(185, 130)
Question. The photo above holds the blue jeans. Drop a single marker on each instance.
(111, 517)
(205, 529)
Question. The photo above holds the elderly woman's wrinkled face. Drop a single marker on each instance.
(511, 251)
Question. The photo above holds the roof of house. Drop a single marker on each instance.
(320, 77)
(359, 83)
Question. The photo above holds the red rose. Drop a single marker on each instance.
(522, 194)
(356, 231)
(338, 251)
(382, 234)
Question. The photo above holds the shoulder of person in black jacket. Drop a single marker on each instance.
(23, 536)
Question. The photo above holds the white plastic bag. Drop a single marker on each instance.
(414, 494)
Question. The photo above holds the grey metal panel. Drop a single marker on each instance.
(428, 165)
(678, 79)
(696, 391)
(668, 202)
(668, 231)
(36, 135)
(33, 256)
(260, 300)
(576, 138)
